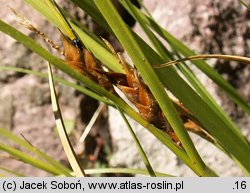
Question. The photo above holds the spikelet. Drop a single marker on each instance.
(27, 24)
(130, 83)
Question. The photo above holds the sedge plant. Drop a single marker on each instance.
(158, 73)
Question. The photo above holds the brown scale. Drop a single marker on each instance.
(140, 95)
(129, 83)
(133, 87)
(85, 63)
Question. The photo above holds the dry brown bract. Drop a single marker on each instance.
(130, 83)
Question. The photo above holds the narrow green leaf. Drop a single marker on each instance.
(23, 143)
(31, 44)
(161, 49)
(209, 71)
(62, 81)
(245, 4)
(138, 146)
(226, 131)
(29, 159)
(102, 53)
(49, 7)
(11, 172)
(62, 65)
(142, 64)
(91, 9)
(124, 171)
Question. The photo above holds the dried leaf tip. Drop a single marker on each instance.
(27, 24)
(23, 20)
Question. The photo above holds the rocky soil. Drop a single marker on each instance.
(206, 26)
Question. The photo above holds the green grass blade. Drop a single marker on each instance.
(245, 4)
(23, 143)
(191, 100)
(218, 127)
(101, 52)
(11, 172)
(215, 123)
(138, 146)
(68, 148)
(161, 49)
(142, 64)
(79, 88)
(60, 64)
(35, 47)
(199, 88)
(53, 13)
(124, 171)
(203, 66)
(92, 10)
(29, 159)
(165, 53)
(202, 91)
